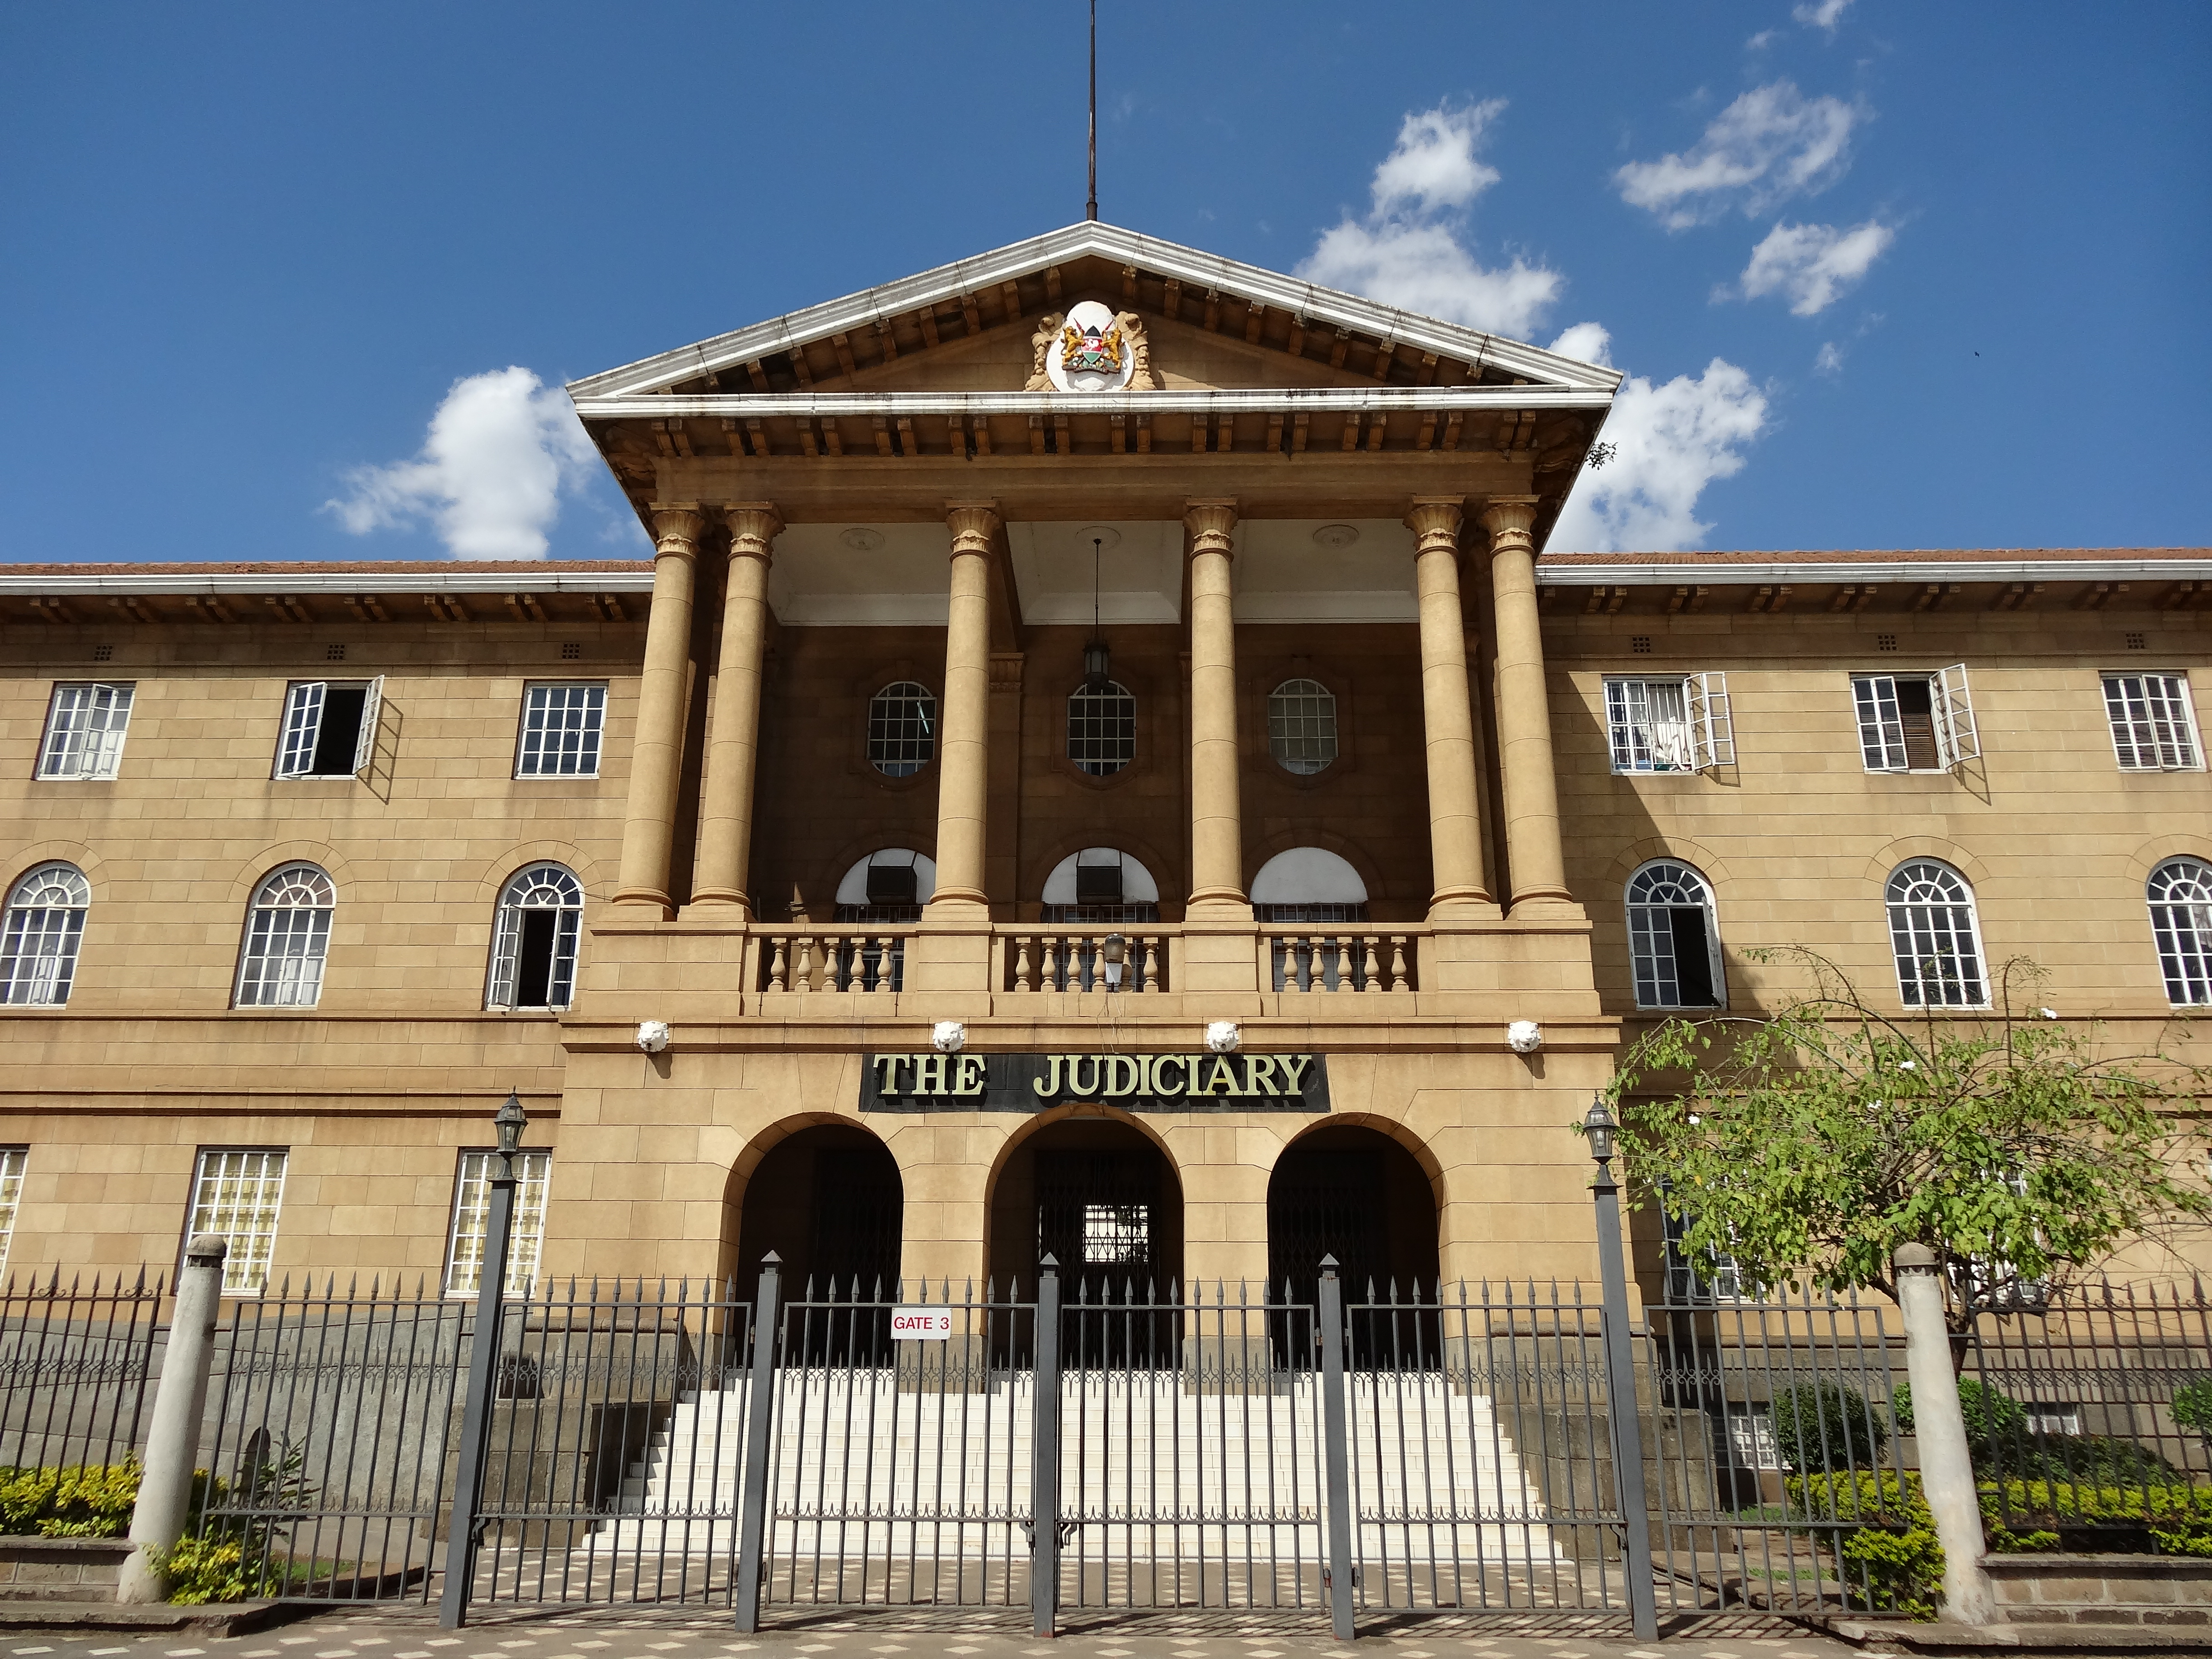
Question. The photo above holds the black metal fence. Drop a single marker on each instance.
(77, 1369)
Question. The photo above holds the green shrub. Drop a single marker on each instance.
(1826, 1425)
(209, 1569)
(1995, 1421)
(2192, 1405)
(2172, 1520)
(1892, 1561)
(83, 1501)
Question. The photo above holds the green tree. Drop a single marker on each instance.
(1807, 1145)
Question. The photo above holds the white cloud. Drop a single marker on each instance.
(1408, 250)
(1822, 14)
(1590, 343)
(1669, 441)
(500, 449)
(1814, 265)
(1772, 143)
(1829, 360)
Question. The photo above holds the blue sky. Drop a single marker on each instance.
(1882, 275)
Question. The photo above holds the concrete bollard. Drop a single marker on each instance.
(173, 1441)
(1946, 1471)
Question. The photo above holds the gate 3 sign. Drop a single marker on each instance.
(1136, 1083)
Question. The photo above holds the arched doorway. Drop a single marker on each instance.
(1353, 1192)
(828, 1199)
(1100, 1197)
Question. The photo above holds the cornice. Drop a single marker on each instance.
(552, 581)
(1241, 400)
(1735, 573)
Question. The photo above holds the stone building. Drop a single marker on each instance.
(1101, 761)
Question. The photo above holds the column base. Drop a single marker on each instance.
(721, 899)
(1546, 904)
(1464, 904)
(647, 898)
(1218, 904)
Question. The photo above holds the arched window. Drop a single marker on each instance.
(888, 887)
(39, 939)
(1674, 944)
(1933, 935)
(902, 729)
(2180, 895)
(1302, 726)
(1100, 885)
(1309, 884)
(533, 949)
(1102, 728)
(288, 934)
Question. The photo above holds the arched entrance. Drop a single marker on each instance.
(1101, 1198)
(828, 1199)
(1353, 1192)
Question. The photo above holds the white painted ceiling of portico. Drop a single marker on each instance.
(1288, 570)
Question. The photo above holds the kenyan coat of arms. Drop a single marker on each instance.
(1089, 349)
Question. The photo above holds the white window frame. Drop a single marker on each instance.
(506, 937)
(1881, 729)
(1089, 716)
(238, 1195)
(303, 728)
(43, 977)
(538, 700)
(2164, 723)
(1302, 733)
(902, 764)
(470, 1223)
(297, 979)
(1912, 991)
(2181, 929)
(1703, 736)
(86, 723)
(1637, 955)
(14, 1160)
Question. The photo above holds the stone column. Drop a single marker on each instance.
(1447, 719)
(1946, 1467)
(1524, 715)
(1216, 833)
(725, 826)
(657, 750)
(963, 776)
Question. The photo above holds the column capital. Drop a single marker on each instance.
(1509, 519)
(1211, 524)
(676, 527)
(753, 526)
(973, 525)
(1435, 521)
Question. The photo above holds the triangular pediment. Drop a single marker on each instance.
(1215, 324)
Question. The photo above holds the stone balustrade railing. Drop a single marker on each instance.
(1074, 959)
(801, 959)
(1336, 959)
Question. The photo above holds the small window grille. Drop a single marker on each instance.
(1117, 1234)
(1673, 947)
(562, 726)
(2153, 727)
(1916, 722)
(902, 729)
(12, 1160)
(1885, 642)
(334, 653)
(471, 1225)
(1101, 729)
(2180, 893)
(287, 935)
(85, 725)
(103, 653)
(534, 936)
(1934, 938)
(329, 728)
(236, 1196)
(1302, 726)
(1671, 725)
(2138, 641)
(1640, 644)
(40, 935)
(572, 651)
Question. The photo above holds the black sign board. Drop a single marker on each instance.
(1136, 1083)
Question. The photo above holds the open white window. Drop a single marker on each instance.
(329, 728)
(2153, 728)
(471, 1225)
(85, 724)
(2180, 893)
(1671, 725)
(1916, 722)
(534, 934)
(1674, 944)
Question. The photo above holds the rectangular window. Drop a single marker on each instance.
(1680, 724)
(1116, 1233)
(1916, 722)
(464, 1246)
(329, 728)
(84, 732)
(1714, 1278)
(561, 729)
(2048, 1417)
(2153, 728)
(1751, 1437)
(236, 1195)
(12, 1159)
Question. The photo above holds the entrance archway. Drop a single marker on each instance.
(828, 1200)
(1101, 1197)
(1353, 1192)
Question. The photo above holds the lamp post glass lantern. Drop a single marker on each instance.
(1114, 952)
(1598, 1127)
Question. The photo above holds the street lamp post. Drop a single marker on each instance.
(464, 1532)
(1599, 1128)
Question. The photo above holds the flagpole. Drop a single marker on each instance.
(1092, 210)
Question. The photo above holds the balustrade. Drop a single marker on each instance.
(832, 959)
(1305, 961)
(1063, 960)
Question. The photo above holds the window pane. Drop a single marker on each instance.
(288, 934)
(236, 1195)
(1669, 932)
(1648, 724)
(534, 935)
(562, 726)
(84, 732)
(1881, 732)
(12, 1159)
(1101, 729)
(1302, 726)
(40, 935)
(2181, 922)
(2150, 714)
(902, 729)
(1932, 936)
(472, 1222)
